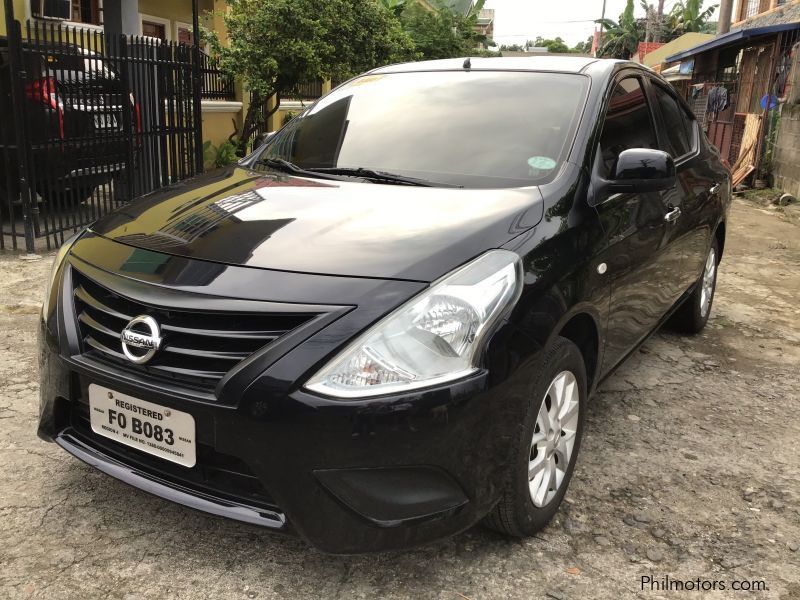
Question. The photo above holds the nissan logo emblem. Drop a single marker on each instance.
(141, 333)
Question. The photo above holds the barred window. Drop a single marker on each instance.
(87, 11)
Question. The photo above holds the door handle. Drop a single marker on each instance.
(672, 215)
(714, 189)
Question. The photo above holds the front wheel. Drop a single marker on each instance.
(692, 316)
(547, 445)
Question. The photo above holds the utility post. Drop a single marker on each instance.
(724, 16)
(600, 35)
(659, 21)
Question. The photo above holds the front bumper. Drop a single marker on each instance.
(348, 478)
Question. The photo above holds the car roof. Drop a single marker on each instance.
(569, 64)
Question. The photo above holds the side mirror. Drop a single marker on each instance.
(642, 170)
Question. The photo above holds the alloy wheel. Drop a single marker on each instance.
(553, 438)
(707, 284)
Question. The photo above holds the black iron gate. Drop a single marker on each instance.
(89, 122)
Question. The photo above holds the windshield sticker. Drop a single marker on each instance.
(542, 163)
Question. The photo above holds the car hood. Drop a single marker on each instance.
(273, 221)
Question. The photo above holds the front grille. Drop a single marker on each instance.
(198, 348)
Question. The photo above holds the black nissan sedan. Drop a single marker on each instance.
(383, 326)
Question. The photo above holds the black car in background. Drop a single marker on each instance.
(383, 326)
(75, 107)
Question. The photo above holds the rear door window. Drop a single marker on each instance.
(628, 124)
(678, 134)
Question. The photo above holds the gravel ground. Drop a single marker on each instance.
(689, 469)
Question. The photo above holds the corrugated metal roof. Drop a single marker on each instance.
(728, 39)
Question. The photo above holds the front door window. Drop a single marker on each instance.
(628, 124)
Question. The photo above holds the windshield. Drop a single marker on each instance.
(478, 129)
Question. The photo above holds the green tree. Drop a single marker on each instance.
(434, 34)
(557, 45)
(396, 7)
(442, 33)
(688, 16)
(583, 47)
(466, 26)
(621, 39)
(274, 45)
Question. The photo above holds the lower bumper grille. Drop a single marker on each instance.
(215, 474)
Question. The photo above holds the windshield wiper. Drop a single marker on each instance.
(280, 164)
(380, 176)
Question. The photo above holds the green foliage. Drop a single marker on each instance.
(276, 44)
(557, 45)
(288, 116)
(219, 156)
(688, 16)
(621, 38)
(442, 33)
(396, 7)
(467, 28)
(433, 33)
(583, 47)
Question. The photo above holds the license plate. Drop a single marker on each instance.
(102, 121)
(157, 430)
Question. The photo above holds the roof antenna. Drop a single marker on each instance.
(467, 63)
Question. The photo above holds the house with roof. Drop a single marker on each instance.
(656, 57)
(644, 49)
(742, 84)
(154, 20)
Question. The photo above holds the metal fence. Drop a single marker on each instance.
(306, 91)
(91, 121)
(261, 111)
(216, 85)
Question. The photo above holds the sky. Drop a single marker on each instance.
(516, 21)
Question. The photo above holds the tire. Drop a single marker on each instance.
(518, 513)
(692, 316)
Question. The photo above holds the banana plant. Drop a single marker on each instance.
(396, 7)
(621, 38)
(688, 15)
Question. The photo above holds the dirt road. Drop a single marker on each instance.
(690, 469)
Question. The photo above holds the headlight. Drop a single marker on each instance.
(60, 256)
(433, 338)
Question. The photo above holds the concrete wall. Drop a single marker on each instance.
(219, 125)
(19, 12)
(771, 15)
(786, 163)
(176, 11)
